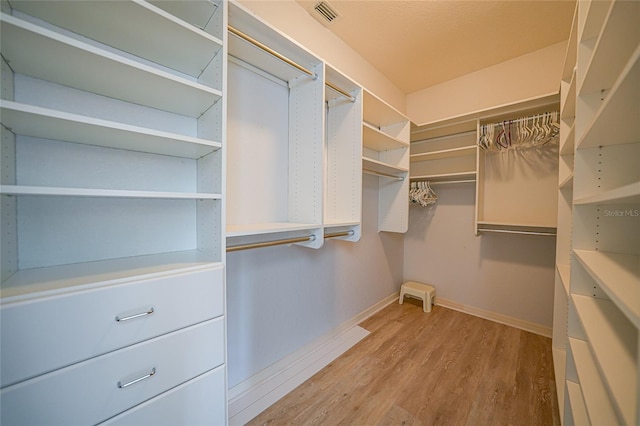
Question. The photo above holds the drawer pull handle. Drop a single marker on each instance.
(130, 317)
(139, 379)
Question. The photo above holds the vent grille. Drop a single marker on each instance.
(328, 14)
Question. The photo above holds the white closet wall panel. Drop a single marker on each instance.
(61, 230)
(259, 132)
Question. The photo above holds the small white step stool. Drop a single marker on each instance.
(420, 291)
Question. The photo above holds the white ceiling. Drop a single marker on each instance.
(417, 44)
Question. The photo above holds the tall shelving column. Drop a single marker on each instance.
(275, 135)
(343, 157)
(385, 141)
(565, 200)
(604, 307)
(112, 212)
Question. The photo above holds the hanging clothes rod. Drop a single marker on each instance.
(339, 90)
(338, 234)
(387, 175)
(506, 231)
(270, 51)
(271, 243)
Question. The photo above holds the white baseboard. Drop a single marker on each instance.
(254, 395)
(493, 316)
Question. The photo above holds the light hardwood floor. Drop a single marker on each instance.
(441, 368)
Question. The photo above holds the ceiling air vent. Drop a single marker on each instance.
(327, 13)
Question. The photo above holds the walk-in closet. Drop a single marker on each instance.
(244, 212)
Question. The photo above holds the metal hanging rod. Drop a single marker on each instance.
(339, 90)
(338, 234)
(271, 243)
(387, 175)
(507, 231)
(270, 51)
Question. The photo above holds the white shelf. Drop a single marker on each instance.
(470, 175)
(26, 47)
(569, 144)
(594, 18)
(569, 107)
(379, 113)
(39, 282)
(39, 122)
(567, 182)
(619, 276)
(195, 12)
(595, 395)
(626, 194)
(143, 30)
(565, 276)
(572, 51)
(379, 141)
(619, 34)
(616, 121)
(578, 409)
(238, 230)
(559, 363)
(613, 340)
(380, 167)
(93, 192)
(445, 153)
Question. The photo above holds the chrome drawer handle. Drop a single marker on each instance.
(130, 317)
(139, 379)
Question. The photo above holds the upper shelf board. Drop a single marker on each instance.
(39, 122)
(27, 47)
(616, 121)
(378, 140)
(379, 113)
(142, 29)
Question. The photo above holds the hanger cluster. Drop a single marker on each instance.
(525, 132)
(421, 193)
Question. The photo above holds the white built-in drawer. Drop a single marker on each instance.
(201, 401)
(102, 387)
(41, 335)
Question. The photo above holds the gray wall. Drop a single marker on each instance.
(506, 274)
(281, 298)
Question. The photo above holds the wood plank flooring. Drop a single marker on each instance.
(441, 368)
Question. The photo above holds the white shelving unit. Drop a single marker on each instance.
(111, 183)
(275, 135)
(604, 298)
(516, 190)
(342, 154)
(563, 234)
(385, 141)
(450, 158)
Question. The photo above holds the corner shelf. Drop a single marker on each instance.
(578, 409)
